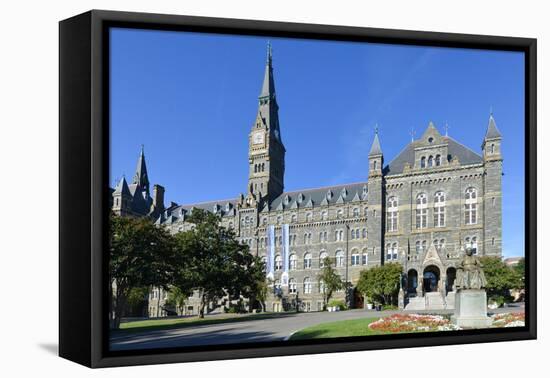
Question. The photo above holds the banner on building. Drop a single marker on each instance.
(286, 252)
(270, 261)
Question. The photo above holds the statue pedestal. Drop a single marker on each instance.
(471, 309)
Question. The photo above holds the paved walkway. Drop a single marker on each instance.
(254, 330)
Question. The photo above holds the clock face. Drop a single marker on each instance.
(258, 138)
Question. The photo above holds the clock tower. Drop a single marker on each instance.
(266, 152)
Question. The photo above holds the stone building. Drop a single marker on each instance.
(433, 199)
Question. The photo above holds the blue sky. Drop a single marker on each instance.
(191, 99)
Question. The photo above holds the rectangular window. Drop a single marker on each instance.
(421, 218)
(365, 257)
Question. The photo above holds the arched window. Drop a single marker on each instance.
(279, 219)
(391, 251)
(339, 258)
(356, 212)
(308, 217)
(307, 285)
(365, 257)
(322, 256)
(307, 261)
(392, 215)
(264, 221)
(439, 209)
(437, 160)
(421, 211)
(278, 262)
(430, 161)
(264, 261)
(263, 167)
(339, 213)
(355, 258)
(255, 168)
(338, 235)
(375, 165)
(364, 233)
(292, 262)
(492, 148)
(470, 206)
(292, 286)
(293, 218)
(230, 225)
(324, 215)
(423, 162)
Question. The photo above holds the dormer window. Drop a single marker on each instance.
(287, 200)
(329, 194)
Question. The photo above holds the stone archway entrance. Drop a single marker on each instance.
(431, 277)
(451, 276)
(412, 281)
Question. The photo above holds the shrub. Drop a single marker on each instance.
(337, 303)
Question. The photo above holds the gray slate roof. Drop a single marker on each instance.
(463, 153)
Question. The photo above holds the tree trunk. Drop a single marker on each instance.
(202, 305)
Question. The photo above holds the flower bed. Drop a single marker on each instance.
(509, 320)
(429, 323)
(412, 323)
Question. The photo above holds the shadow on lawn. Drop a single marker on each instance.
(196, 322)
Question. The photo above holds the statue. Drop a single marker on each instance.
(471, 297)
(469, 273)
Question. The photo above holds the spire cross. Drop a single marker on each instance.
(376, 129)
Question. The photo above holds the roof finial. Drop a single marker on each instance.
(412, 134)
(142, 148)
(376, 128)
(491, 110)
(269, 52)
(446, 128)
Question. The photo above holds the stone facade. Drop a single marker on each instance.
(433, 199)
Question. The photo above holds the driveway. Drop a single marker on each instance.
(253, 330)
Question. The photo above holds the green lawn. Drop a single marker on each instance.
(172, 323)
(344, 328)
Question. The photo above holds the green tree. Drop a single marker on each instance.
(177, 298)
(329, 280)
(137, 299)
(141, 255)
(214, 262)
(520, 271)
(381, 283)
(500, 279)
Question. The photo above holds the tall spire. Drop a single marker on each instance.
(268, 86)
(375, 148)
(140, 177)
(492, 130)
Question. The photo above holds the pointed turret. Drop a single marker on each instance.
(375, 148)
(492, 140)
(492, 130)
(141, 178)
(122, 188)
(376, 159)
(122, 198)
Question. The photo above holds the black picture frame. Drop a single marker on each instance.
(84, 165)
